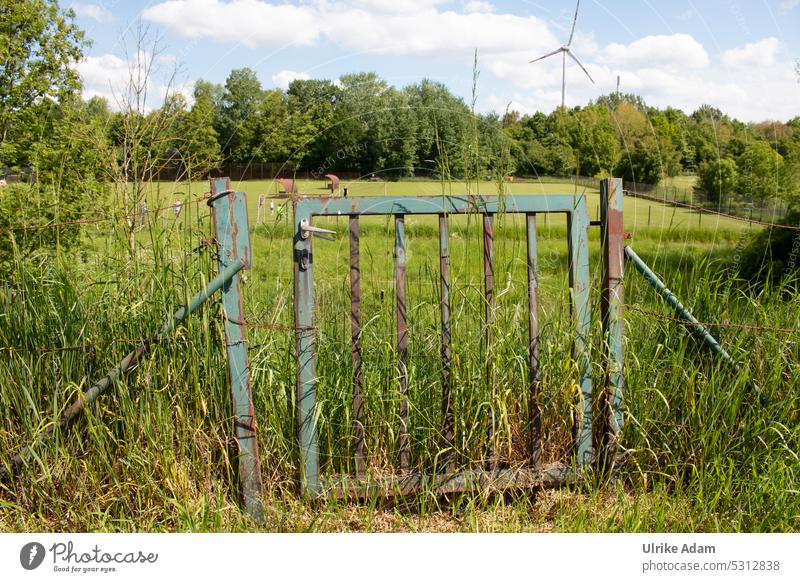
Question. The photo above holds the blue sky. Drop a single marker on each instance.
(738, 55)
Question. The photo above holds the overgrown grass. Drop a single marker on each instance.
(706, 448)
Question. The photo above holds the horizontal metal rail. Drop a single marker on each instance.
(685, 315)
(382, 205)
(344, 487)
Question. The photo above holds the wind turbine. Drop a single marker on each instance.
(565, 51)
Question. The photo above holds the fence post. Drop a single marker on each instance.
(611, 304)
(355, 331)
(580, 281)
(534, 389)
(233, 240)
(447, 391)
(402, 339)
(489, 310)
(306, 355)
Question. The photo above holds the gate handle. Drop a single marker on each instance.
(307, 230)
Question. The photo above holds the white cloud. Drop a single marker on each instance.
(676, 51)
(789, 5)
(251, 22)
(104, 76)
(108, 76)
(394, 6)
(378, 26)
(93, 11)
(283, 78)
(478, 6)
(754, 54)
(751, 82)
(441, 33)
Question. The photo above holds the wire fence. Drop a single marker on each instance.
(723, 324)
(111, 218)
(704, 210)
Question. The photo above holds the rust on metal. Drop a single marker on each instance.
(333, 182)
(447, 396)
(233, 237)
(535, 409)
(355, 327)
(488, 291)
(402, 339)
(344, 487)
(612, 237)
(289, 186)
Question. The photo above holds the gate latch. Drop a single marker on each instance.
(308, 230)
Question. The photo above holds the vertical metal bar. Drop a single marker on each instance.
(447, 396)
(611, 304)
(355, 328)
(535, 410)
(306, 355)
(579, 269)
(402, 338)
(233, 237)
(488, 290)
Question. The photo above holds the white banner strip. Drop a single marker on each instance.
(400, 557)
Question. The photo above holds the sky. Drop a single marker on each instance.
(737, 55)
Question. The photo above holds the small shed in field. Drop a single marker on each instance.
(333, 182)
(288, 185)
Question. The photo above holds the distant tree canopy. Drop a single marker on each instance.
(360, 123)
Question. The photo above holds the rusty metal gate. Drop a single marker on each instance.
(600, 418)
(594, 435)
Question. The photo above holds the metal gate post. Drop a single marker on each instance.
(611, 303)
(580, 279)
(448, 461)
(233, 240)
(306, 353)
(534, 399)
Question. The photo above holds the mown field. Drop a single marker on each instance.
(706, 448)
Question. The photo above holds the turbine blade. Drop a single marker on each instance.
(574, 21)
(555, 52)
(574, 58)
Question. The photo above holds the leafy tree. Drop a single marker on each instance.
(718, 178)
(311, 107)
(45, 130)
(761, 171)
(39, 46)
(236, 122)
(596, 141)
(199, 148)
(442, 126)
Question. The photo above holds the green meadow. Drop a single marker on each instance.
(705, 447)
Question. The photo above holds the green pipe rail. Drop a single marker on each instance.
(18, 461)
(691, 322)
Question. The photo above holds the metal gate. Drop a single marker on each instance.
(600, 419)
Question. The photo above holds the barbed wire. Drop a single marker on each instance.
(75, 347)
(704, 210)
(97, 220)
(730, 325)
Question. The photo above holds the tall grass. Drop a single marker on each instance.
(706, 447)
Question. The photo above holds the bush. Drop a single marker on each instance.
(772, 254)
